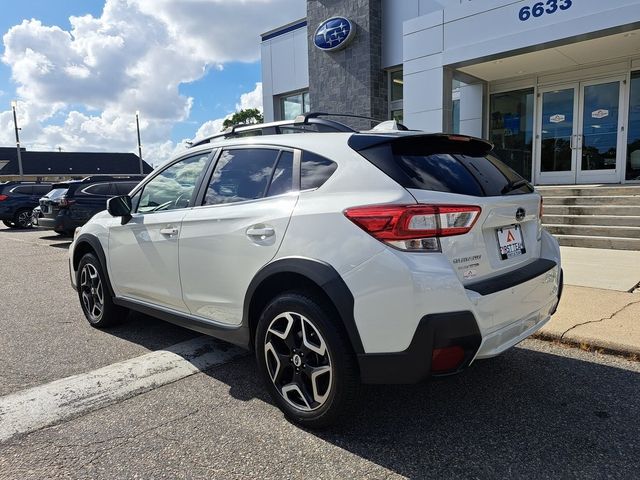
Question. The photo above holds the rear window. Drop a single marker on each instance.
(56, 193)
(441, 165)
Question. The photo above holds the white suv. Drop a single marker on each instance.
(339, 258)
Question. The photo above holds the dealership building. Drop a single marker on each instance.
(553, 84)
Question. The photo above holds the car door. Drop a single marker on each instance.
(237, 229)
(143, 253)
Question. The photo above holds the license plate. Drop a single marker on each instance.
(510, 242)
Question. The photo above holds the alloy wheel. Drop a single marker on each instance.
(298, 361)
(24, 219)
(91, 292)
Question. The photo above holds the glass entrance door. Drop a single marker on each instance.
(599, 138)
(557, 131)
(578, 139)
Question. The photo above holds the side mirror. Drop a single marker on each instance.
(120, 207)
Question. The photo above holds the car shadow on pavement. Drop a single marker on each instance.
(149, 332)
(63, 245)
(526, 414)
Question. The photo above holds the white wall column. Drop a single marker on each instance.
(426, 82)
(471, 108)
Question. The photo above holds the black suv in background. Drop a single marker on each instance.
(17, 201)
(70, 204)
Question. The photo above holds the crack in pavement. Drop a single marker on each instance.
(601, 319)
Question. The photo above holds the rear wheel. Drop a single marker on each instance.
(22, 218)
(305, 360)
(97, 304)
(9, 224)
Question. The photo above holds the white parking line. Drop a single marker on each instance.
(47, 404)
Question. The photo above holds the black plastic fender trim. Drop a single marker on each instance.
(96, 246)
(413, 365)
(323, 275)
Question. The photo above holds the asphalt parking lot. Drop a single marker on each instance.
(539, 411)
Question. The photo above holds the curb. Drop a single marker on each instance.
(591, 345)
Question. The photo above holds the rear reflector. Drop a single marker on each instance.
(3, 197)
(414, 227)
(446, 359)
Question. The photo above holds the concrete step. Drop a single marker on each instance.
(595, 231)
(591, 210)
(611, 243)
(589, 191)
(599, 220)
(630, 200)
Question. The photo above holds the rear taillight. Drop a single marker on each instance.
(3, 197)
(65, 202)
(414, 227)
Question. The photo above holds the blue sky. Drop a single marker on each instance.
(184, 64)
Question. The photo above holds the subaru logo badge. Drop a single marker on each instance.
(520, 214)
(333, 34)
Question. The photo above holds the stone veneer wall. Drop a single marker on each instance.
(350, 80)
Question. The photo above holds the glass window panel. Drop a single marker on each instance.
(315, 170)
(173, 187)
(557, 129)
(282, 181)
(633, 137)
(306, 101)
(396, 86)
(292, 106)
(397, 115)
(240, 175)
(600, 126)
(511, 129)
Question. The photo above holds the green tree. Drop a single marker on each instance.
(247, 116)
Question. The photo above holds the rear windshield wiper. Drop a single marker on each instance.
(511, 186)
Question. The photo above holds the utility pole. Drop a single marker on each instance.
(14, 104)
(139, 145)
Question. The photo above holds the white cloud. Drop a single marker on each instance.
(79, 89)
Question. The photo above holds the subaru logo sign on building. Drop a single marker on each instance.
(334, 34)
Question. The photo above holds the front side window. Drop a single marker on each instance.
(241, 175)
(173, 188)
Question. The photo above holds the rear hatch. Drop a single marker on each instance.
(503, 234)
(50, 203)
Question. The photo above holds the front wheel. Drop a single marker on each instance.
(97, 304)
(306, 360)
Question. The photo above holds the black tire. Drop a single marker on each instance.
(22, 218)
(290, 380)
(93, 293)
(9, 224)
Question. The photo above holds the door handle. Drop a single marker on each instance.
(262, 232)
(169, 231)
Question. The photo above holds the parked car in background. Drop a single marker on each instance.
(17, 201)
(71, 204)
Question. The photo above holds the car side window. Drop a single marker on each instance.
(173, 187)
(123, 188)
(41, 189)
(98, 189)
(23, 190)
(315, 170)
(282, 180)
(240, 175)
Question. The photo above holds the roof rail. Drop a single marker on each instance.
(104, 178)
(297, 125)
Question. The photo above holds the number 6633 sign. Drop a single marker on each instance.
(548, 7)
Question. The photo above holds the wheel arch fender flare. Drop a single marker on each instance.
(86, 240)
(324, 276)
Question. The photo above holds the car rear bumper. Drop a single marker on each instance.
(60, 224)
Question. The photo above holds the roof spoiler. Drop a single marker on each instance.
(426, 142)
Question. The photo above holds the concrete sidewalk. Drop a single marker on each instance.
(600, 306)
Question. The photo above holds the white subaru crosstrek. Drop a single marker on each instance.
(339, 258)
